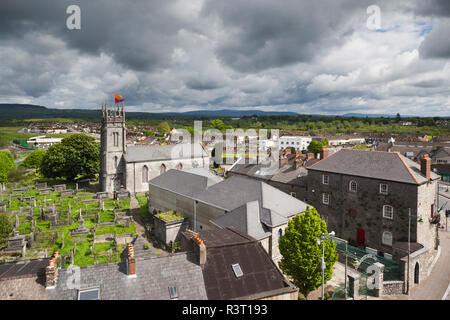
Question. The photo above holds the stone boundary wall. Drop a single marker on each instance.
(393, 287)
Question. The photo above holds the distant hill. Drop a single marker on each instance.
(361, 115)
(28, 111)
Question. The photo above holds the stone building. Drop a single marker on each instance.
(131, 167)
(366, 196)
(250, 206)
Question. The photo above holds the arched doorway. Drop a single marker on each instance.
(416, 273)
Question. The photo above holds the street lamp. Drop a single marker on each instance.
(320, 240)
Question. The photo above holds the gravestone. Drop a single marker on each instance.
(66, 193)
(81, 228)
(59, 187)
(62, 241)
(40, 186)
(102, 195)
(16, 243)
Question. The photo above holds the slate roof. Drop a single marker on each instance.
(238, 196)
(140, 153)
(261, 277)
(153, 278)
(23, 280)
(22, 269)
(390, 166)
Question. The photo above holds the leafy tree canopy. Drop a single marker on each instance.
(163, 128)
(6, 164)
(34, 159)
(5, 229)
(302, 255)
(75, 157)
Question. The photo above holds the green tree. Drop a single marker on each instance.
(219, 125)
(6, 164)
(34, 159)
(302, 255)
(147, 133)
(315, 147)
(75, 157)
(5, 229)
(17, 174)
(325, 142)
(163, 128)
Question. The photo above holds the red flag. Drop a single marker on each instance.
(118, 98)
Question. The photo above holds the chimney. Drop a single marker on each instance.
(131, 261)
(324, 152)
(287, 151)
(425, 166)
(199, 249)
(309, 156)
(283, 160)
(51, 272)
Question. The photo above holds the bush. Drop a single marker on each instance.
(5, 229)
(6, 164)
(34, 159)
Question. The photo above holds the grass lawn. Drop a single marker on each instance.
(170, 215)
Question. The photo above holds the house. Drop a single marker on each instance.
(236, 266)
(297, 142)
(195, 274)
(366, 198)
(253, 207)
(289, 175)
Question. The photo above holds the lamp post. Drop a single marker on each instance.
(320, 240)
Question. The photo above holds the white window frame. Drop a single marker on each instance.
(327, 197)
(350, 186)
(385, 215)
(383, 238)
(327, 179)
(387, 188)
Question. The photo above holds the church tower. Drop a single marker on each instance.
(113, 147)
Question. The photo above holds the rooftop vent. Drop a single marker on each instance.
(237, 270)
(173, 292)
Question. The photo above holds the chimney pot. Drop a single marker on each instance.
(425, 166)
(324, 152)
(131, 260)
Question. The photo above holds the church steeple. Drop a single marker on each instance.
(113, 147)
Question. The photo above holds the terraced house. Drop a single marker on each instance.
(366, 198)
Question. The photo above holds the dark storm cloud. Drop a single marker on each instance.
(268, 34)
(437, 43)
(139, 34)
(439, 8)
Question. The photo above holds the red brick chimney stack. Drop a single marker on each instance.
(199, 249)
(324, 152)
(425, 166)
(131, 261)
(51, 271)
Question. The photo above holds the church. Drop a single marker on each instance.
(130, 167)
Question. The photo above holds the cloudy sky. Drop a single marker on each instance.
(313, 57)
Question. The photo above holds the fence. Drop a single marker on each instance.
(360, 259)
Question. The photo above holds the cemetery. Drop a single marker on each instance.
(85, 227)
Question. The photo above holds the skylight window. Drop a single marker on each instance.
(89, 294)
(173, 292)
(237, 270)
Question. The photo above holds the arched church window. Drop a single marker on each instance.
(116, 162)
(162, 169)
(144, 174)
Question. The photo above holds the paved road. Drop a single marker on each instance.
(437, 285)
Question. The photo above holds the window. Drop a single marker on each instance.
(388, 212)
(144, 174)
(353, 186)
(280, 233)
(89, 294)
(173, 292)
(325, 179)
(387, 238)
(116, 139)
(237, 270)
(383, 188)
(162, 169)
(325, 198)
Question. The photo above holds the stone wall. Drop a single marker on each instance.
(347, 211)
(169, 231)
(134, 181)
(393, 287)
